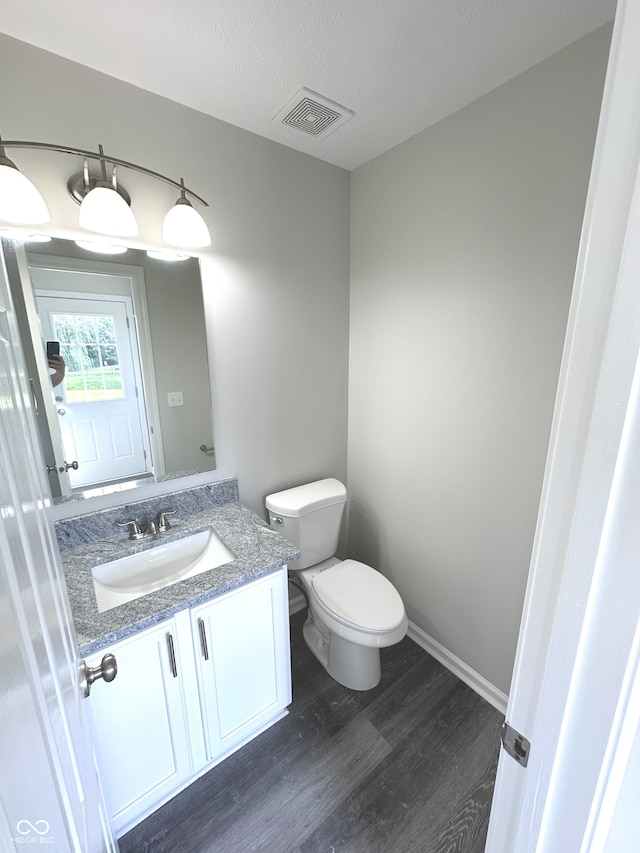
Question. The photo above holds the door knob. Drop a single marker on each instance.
(107, 670)
(62, 411)
(68, 465)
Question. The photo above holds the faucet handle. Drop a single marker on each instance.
(163, 523)
(135, 532)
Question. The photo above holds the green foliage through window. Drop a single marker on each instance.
(89, 348)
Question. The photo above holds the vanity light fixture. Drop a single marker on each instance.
(183, 226)
(20, 200)
(104, 203)
(103, 209)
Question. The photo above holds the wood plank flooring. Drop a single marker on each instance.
(408, 766)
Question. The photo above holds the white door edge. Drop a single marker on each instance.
(549, 805)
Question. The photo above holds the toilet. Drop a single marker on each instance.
(354, 611)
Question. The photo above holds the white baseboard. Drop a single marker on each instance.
(459, 668)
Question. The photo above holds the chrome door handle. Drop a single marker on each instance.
(107, 670)
(62, 411)
(172, 656)
(73, 465)
(203, 639)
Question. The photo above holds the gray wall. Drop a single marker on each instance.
(177, 327)
(464, 241)
(275, 280)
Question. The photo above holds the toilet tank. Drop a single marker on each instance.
(310, 517)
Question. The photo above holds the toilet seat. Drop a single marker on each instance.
(359, 603)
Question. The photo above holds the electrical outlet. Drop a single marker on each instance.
(174, 398)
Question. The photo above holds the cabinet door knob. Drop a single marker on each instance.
(107, 670)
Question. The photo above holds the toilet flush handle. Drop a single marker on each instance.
(276, 519)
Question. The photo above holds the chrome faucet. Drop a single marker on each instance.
(135, 532)
(163, 522)
(153, 528)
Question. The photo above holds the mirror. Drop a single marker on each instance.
(134, 405)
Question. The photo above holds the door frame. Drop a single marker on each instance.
(578, 659)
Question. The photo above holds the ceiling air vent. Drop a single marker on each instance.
(312, 114)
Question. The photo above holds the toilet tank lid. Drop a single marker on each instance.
(303, 499)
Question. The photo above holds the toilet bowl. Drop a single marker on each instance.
(354, 611)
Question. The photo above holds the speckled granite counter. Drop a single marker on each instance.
(258, 550)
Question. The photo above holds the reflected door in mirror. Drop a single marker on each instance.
(99, 403)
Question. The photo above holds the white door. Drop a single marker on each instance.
(100, 404)
(49, 786)
(576, 687)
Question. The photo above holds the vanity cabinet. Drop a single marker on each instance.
(189, 692)
(140, 724)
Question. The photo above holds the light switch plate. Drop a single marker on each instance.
(174, 398)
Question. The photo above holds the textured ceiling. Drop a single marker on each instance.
(400, 65)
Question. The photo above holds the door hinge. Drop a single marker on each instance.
(515, 744)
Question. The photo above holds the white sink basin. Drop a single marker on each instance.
(130, 577)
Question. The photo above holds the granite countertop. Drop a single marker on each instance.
(258, 550)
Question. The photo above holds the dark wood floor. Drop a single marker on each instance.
(408, 766)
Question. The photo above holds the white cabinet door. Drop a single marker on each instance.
(140, 725)
(242, 659)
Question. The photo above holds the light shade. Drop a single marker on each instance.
(104, 211)
(20, 200)
(184, 227)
